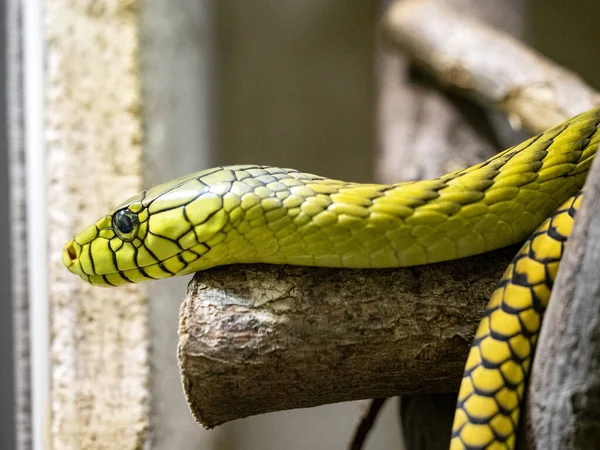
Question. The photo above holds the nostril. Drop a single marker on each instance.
(71, 252)
(70, 256)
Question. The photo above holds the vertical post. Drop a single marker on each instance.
(92, 134)
(35, 253)
(18, 229)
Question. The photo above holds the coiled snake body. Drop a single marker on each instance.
(246, 214)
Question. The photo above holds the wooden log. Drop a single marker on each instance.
(259, 338)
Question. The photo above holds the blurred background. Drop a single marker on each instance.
(284, 83)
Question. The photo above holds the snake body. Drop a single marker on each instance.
(493, 384)
(247, 214)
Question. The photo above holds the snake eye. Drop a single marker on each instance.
(125, 224)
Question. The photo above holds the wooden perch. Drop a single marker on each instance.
(258, 338)
(484, 63)
(564, 393)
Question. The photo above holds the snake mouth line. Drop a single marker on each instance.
(154, 270)
(128, 276)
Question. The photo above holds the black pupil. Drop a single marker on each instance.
(124, 222)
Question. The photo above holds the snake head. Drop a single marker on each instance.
(165, 231)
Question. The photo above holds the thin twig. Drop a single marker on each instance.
(366, 423)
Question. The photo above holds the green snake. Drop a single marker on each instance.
(251, 214)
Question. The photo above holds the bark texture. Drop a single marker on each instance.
(487, 64)
(260, 338)
(564, 392)
(99, 354)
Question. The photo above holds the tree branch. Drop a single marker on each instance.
(366, 423)
(258, 338)
(488, 65)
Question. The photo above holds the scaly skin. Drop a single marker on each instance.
(493, 384)
(247, 214)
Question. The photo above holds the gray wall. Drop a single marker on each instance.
(295, 85)
(568, 32)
